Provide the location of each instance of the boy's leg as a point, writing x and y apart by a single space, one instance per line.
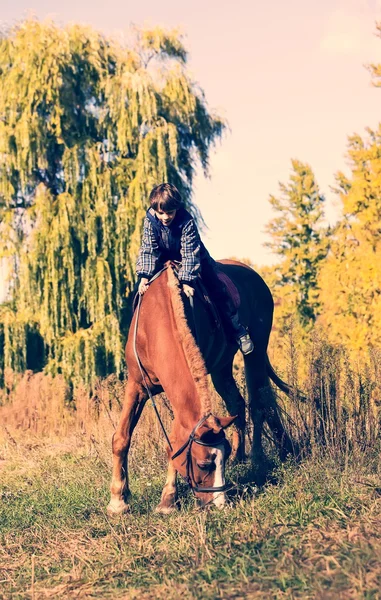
221 297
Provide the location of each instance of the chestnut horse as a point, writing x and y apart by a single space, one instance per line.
162 354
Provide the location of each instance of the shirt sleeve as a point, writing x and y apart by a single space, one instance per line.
190 253
149 252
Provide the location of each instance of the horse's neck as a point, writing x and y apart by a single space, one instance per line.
187 416
181 390
179 365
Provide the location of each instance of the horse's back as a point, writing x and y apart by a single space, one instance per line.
255 295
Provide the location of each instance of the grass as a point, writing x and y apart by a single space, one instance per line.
315 534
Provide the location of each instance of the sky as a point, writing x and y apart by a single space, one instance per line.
289 77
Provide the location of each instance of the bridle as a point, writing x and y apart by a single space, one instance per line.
189 478
220 441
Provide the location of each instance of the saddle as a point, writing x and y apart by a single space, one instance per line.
231 288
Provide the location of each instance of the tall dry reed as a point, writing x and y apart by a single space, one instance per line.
339 411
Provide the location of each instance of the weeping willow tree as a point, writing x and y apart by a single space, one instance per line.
88 125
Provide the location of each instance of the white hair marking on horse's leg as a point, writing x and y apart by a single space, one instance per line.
219 498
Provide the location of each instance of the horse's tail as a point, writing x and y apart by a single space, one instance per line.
282 385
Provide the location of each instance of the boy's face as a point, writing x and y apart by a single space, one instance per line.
165 217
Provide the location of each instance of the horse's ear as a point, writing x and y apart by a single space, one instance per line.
226 421
214 425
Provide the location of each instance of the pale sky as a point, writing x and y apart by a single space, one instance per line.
288 76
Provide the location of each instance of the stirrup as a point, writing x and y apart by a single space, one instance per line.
245 344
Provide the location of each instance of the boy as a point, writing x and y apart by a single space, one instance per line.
170 233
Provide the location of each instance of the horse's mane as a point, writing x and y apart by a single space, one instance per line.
192 352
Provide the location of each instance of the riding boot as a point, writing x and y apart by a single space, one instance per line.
241 334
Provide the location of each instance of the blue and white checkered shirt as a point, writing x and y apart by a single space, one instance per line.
178 242
149 252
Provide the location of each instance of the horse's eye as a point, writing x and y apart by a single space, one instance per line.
206 466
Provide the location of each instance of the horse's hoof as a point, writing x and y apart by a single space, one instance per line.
117 507
165 510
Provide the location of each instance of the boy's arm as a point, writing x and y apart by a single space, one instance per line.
149 252
190 253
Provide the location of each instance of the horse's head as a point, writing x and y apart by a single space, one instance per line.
201 459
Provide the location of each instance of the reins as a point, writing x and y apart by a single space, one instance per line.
192 439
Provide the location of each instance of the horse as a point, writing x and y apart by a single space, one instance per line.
162 354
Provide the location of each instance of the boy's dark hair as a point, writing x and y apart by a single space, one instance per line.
165 197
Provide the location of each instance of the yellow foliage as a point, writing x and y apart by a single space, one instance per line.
350 282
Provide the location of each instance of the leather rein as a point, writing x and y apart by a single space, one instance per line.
221 440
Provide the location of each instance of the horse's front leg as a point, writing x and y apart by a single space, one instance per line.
169 493
133 405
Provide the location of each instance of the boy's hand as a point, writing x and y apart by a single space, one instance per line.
143 285
188 290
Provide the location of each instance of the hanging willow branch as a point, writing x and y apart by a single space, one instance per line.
87 128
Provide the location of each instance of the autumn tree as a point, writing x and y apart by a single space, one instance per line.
300 241
351 277
87 127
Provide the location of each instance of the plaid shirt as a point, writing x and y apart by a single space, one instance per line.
156 248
